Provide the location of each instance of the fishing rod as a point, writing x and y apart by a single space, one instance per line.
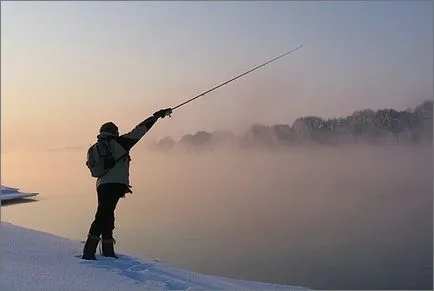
234 78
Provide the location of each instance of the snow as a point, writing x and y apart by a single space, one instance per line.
34 260
9 193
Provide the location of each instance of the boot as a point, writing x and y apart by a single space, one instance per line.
90 247
108 248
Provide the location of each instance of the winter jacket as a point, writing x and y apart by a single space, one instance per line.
120 146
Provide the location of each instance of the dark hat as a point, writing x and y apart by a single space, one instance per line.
109 127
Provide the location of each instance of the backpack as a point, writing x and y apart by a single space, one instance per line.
100 158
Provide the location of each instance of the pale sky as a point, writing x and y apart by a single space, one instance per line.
67 67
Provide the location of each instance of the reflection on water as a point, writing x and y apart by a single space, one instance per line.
17 201
329 219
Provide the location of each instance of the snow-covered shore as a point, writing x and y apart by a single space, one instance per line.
9 193
33 260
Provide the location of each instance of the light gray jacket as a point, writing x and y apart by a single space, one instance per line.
121 146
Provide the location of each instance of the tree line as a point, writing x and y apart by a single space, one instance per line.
384 126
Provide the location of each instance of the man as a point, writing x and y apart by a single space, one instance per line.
114 184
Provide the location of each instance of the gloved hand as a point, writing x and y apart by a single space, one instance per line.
163 113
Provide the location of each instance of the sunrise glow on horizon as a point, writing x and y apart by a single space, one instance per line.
69 66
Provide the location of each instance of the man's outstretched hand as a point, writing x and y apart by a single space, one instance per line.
163 113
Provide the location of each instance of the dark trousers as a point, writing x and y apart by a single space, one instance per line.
104 222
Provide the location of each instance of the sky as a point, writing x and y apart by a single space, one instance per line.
67 67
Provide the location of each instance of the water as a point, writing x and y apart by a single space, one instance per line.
347 218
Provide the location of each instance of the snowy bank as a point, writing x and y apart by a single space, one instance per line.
10 193
33 260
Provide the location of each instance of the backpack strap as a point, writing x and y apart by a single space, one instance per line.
116 161
106 144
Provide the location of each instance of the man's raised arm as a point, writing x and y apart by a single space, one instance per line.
128 140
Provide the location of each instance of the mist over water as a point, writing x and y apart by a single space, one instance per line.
330 218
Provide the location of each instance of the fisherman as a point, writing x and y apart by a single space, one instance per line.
109 160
